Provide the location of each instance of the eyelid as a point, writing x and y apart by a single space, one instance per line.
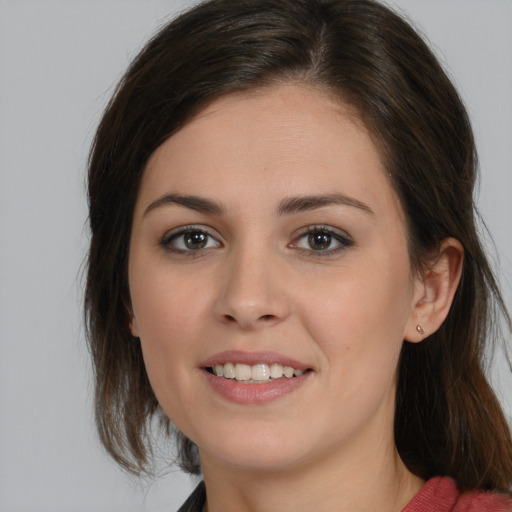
166 239
342 237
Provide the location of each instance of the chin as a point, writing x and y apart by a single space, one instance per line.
256 460
256 450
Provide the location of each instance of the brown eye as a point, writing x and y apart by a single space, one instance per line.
322 241
195 240
187 240
319 241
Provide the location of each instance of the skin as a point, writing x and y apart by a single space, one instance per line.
259 285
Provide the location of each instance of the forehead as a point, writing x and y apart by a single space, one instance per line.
281 140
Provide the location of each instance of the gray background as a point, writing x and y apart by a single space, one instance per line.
58 63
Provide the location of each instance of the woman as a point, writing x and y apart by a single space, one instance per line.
284 264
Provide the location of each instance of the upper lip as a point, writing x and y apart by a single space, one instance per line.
252 358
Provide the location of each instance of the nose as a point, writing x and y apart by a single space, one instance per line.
252 294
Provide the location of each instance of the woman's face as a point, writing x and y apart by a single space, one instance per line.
266 236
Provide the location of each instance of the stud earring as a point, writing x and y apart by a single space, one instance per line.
420 329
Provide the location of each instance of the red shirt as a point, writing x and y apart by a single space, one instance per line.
440 494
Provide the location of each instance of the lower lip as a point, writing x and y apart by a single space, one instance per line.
243 393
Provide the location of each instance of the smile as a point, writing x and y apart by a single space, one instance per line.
255 377
254 374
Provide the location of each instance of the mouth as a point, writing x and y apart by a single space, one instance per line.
259 373
255 377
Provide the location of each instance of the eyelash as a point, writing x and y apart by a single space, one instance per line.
182 231
342 239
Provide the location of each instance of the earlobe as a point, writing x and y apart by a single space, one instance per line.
434 291
133 326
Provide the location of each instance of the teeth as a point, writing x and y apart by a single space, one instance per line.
256 373
229 371
260 372
276 371
243 372
288 371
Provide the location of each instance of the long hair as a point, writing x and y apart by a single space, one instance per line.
448 420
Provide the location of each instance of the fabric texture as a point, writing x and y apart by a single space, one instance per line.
439 494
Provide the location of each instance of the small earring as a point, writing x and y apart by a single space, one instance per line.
420 329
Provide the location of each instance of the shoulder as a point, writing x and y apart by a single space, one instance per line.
442 495
483 501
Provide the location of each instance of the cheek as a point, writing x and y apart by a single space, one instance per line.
359 315
166 303
169 316
358 328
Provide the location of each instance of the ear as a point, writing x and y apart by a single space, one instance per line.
434 291
134 328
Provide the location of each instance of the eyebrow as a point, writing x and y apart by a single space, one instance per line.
287 206
306 203
196 203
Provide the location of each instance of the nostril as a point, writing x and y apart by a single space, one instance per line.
264 318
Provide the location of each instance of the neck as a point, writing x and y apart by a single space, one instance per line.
377 482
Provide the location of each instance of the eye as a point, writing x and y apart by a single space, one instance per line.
322 240
189 239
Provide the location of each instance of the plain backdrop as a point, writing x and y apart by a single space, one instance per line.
59 60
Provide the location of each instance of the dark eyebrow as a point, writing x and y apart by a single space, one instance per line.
199 204
288 206
306 203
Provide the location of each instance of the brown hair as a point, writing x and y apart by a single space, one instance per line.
448 420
